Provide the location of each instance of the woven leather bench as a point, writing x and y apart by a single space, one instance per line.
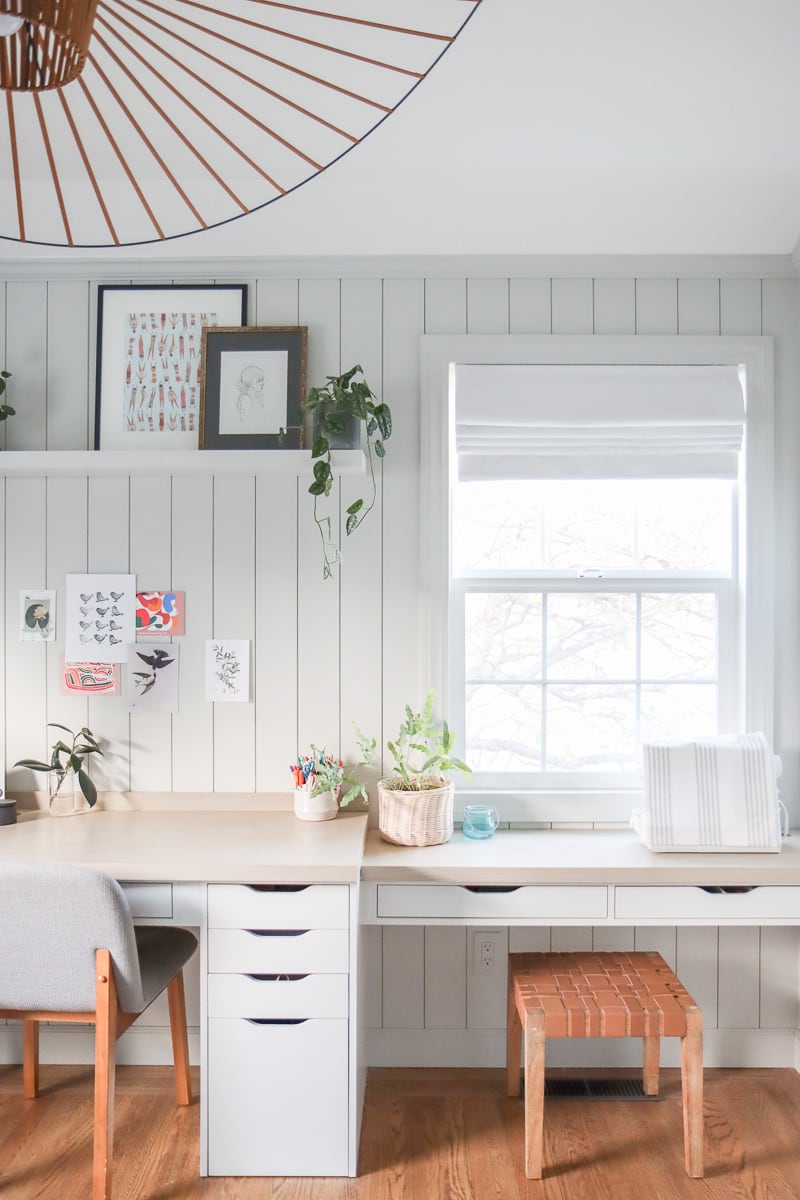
601 995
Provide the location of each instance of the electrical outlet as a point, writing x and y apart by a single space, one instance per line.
485 952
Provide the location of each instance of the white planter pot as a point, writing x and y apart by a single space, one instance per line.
322 807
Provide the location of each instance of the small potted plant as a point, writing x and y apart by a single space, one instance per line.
341 409
415 804
66 769
318 781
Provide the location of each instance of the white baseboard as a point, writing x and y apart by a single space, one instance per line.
146 1045
460 1048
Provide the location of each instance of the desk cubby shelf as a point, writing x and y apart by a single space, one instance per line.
172 462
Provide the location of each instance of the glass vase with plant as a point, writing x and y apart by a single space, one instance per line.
67 766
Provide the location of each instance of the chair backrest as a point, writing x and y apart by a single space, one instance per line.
52 919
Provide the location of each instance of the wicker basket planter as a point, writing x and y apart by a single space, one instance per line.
411 818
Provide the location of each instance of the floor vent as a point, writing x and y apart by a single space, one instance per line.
597 1089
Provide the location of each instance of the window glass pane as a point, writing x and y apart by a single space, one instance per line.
503 727
591 727
679 636
678 710
685 524
589 523
591 635
503 635
565 525
497 525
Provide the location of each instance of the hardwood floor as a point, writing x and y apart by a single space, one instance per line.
427 1135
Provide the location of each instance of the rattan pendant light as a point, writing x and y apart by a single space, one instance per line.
134 121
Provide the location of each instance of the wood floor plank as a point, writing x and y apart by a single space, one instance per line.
427 1135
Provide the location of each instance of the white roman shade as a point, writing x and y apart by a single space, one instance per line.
532 422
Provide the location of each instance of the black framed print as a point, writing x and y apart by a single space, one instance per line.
253 387
149 350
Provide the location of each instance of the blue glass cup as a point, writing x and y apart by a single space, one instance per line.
480 821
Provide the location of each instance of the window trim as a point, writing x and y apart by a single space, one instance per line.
439 354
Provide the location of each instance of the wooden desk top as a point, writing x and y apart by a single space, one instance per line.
520 856
212 847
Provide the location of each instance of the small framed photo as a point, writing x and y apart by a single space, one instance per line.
253 387
149 361
37 615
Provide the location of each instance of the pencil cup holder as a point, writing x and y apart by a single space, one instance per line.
322 807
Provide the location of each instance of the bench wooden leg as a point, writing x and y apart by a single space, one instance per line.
513 1043
692 1090
104 1072
30 1058
651 1051
534 1093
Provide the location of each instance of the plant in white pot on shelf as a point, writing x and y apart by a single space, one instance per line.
415 804
318 781
66 769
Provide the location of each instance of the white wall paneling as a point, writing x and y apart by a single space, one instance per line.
325 654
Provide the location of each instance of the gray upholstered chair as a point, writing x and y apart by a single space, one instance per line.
69 952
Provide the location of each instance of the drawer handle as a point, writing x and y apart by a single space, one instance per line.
277 887
275 978
276 932
728 891
276 1020
485 889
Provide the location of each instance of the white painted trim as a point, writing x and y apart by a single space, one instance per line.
131 264
114 463
141 1045
459 1048
439 353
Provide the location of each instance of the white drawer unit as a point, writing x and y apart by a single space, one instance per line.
539 902
278 1009
149 900
284 952
286 996
278 906
278 1097
687 904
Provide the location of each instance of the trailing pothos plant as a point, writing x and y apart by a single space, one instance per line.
6 410
65 758
344 399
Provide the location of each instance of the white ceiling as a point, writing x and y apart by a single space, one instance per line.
563 127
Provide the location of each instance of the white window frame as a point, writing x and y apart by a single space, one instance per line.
439 355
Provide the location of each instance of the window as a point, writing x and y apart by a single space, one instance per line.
600 556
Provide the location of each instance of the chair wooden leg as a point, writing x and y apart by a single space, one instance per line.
104 1063
513 1042
651 1054
692 1089
534 1093
180 1040
30 1058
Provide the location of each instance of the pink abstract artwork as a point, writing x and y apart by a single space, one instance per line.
159 614
90 678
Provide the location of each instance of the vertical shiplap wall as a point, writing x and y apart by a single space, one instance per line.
327 654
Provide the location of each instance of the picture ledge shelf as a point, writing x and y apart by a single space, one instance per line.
173 462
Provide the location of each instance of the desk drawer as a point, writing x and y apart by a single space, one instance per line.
149 899
779 903
537 902
317 906
293 997
243 951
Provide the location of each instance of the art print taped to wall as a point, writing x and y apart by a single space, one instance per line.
37 615
159 614
227 670
90 678
152 678
99 617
